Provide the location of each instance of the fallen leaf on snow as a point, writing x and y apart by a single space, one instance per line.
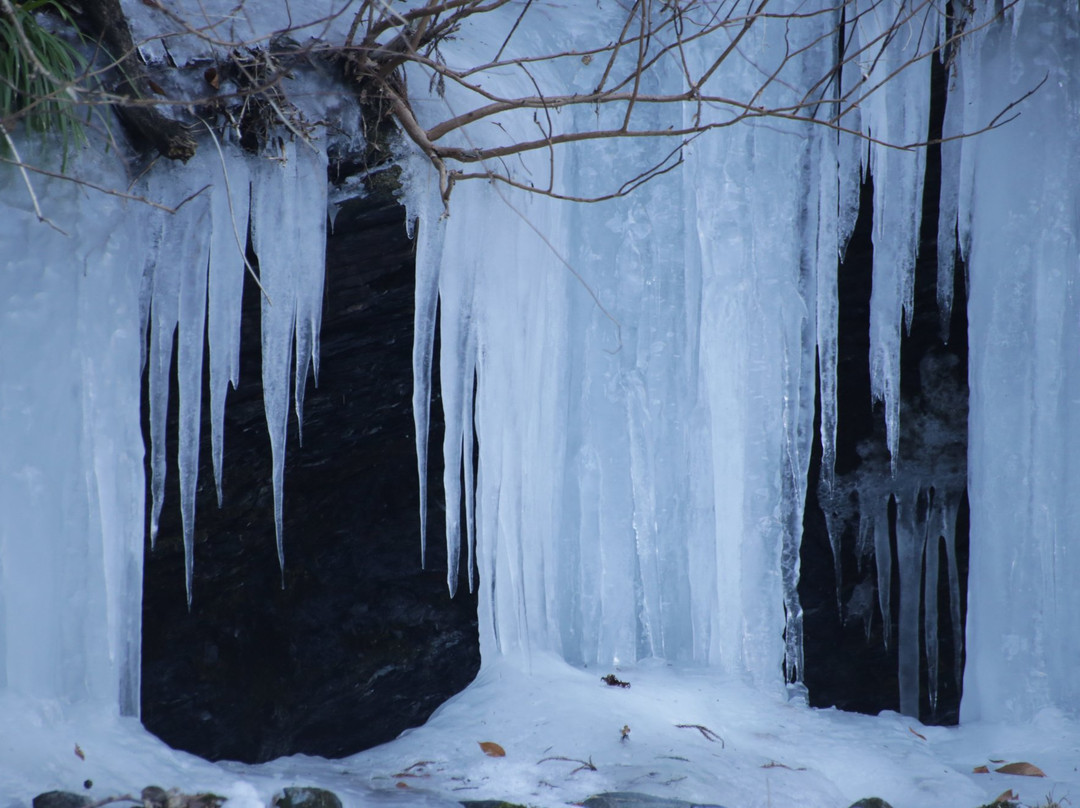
916 734
79 752
980 770
492 749
1024 768
1007 796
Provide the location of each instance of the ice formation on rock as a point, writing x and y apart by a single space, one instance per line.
636 377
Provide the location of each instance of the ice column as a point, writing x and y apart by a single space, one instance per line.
71 475
1024 312
644 369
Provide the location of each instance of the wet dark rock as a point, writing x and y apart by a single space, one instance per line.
633 799
61 799
306 797
361 642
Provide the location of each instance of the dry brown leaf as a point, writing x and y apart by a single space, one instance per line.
1007 796
79 752
492 749
916 734
213 78
402 785
1024 768
980 770
157 88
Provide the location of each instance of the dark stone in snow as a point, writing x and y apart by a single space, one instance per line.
870 802
306 797
361 643
633 799
61 799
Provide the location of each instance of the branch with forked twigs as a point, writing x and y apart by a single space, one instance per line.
388 45
383 43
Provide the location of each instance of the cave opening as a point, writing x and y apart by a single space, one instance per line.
357 643
851 648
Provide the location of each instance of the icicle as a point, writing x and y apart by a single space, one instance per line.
828 304
424 210
164 313
849 147
310 272
895 113
288 220
455 292
468 443
192 327
948 209
930 597
827 296
910 543
271 213
178 301
878 517
949 508
230 202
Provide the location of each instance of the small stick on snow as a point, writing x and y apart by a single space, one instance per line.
705 731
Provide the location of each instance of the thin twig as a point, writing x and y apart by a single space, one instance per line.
22 167
707 733
232 215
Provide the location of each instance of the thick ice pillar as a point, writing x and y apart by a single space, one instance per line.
71 473
1024 315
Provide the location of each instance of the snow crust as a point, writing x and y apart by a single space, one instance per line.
752 750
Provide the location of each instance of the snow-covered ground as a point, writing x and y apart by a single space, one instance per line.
738 747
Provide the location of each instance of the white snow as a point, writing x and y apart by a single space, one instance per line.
644 379
754 749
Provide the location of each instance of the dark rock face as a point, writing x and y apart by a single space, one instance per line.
360 643
306 797
847 663
61 799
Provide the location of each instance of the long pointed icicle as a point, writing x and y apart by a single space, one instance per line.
288 215
424 214
948 210
192 328
310 272
229 208
454 344
164 314
468 440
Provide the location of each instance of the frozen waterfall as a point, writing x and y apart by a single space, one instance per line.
628 385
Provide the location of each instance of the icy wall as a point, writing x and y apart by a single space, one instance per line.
1020 225
71 517
77 308
657 359
637 374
